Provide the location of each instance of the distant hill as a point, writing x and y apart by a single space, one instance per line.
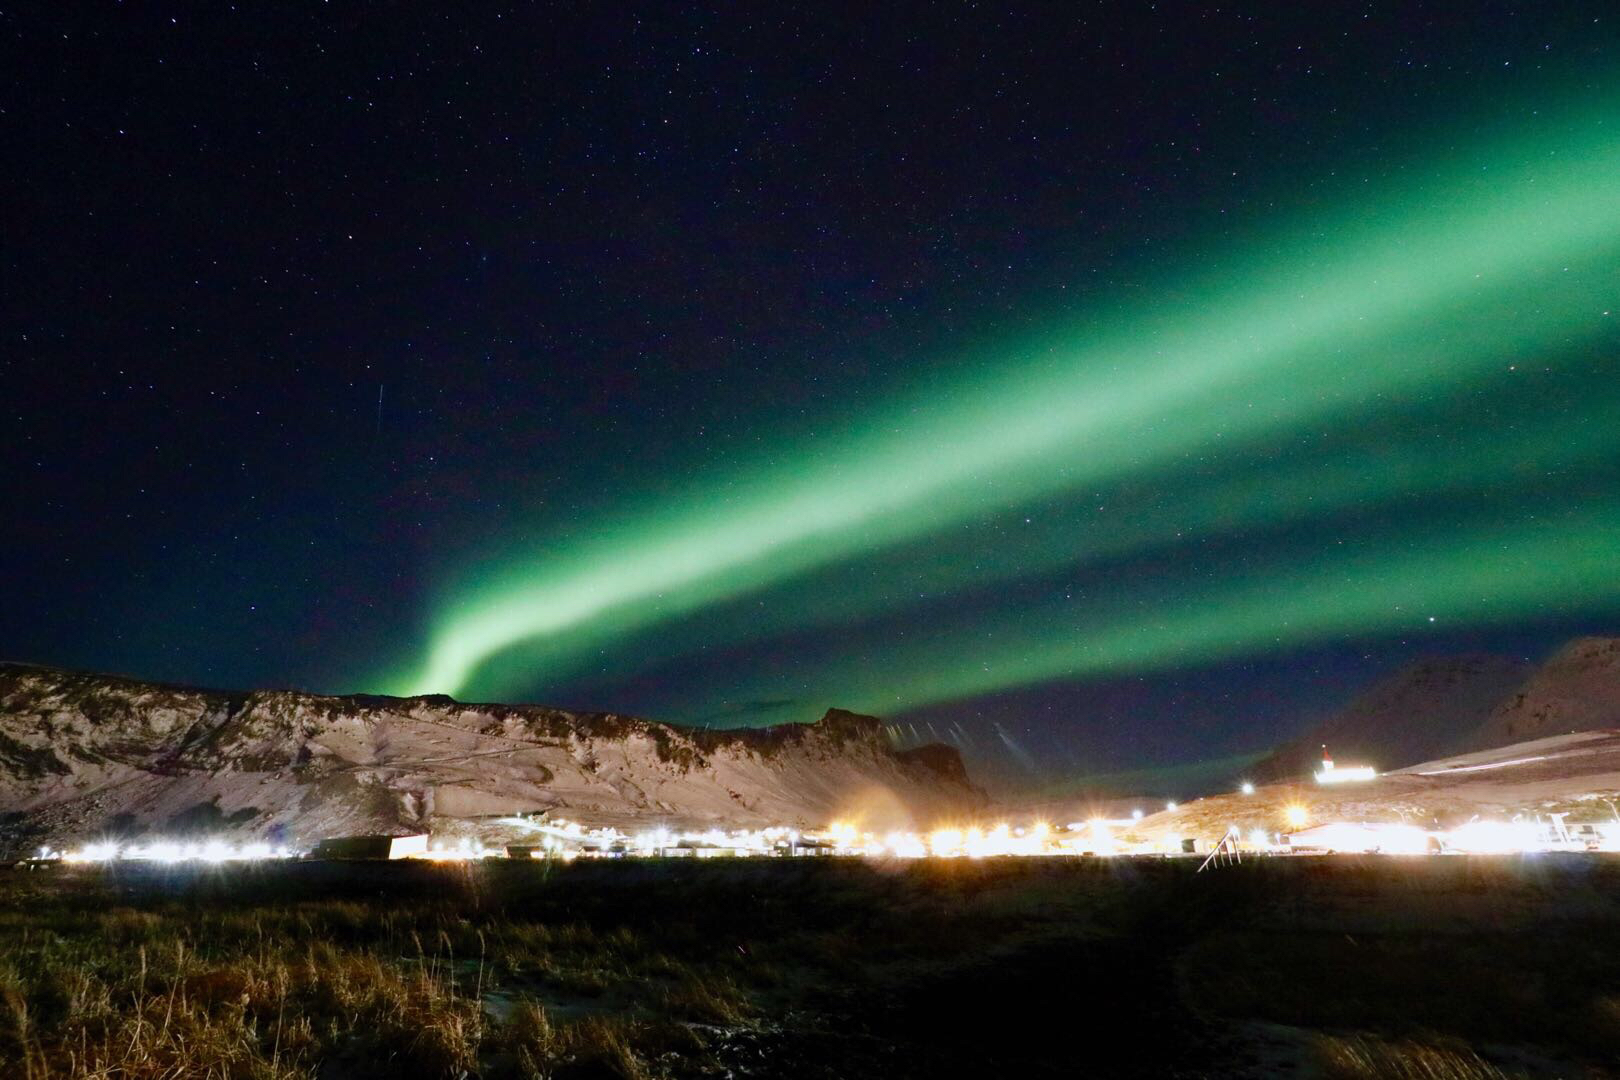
1578 689
81 753
1181 780
1577 775
1426 710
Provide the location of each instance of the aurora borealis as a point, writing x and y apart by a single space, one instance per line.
1408 297
1077 379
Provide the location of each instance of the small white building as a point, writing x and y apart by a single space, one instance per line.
1349 774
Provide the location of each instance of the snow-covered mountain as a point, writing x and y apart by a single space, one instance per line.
1577 689
1425 710
81 753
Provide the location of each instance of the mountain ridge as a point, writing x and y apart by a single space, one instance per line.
1442 706
1576 689
81 751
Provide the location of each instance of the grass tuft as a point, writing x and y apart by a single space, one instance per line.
1361 1057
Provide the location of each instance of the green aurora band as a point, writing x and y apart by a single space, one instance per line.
1486 575
1339 323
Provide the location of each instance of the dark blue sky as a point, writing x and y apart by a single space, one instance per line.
305 310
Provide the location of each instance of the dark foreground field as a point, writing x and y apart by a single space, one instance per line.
1431 968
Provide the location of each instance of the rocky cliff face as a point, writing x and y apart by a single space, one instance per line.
1456 705
83 753
1578 689
1423 711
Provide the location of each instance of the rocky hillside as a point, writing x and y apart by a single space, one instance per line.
84 753
1578 689
1423 711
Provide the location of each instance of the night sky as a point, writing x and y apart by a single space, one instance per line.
1093 386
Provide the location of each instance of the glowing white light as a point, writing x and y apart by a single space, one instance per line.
169 851
1380 838
1496 837
567 840
1102 840
1353 774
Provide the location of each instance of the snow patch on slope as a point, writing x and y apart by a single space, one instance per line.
85 752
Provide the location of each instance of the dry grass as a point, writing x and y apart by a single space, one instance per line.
276 991
1359 1057
817 968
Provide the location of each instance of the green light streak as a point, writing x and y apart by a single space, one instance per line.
1426 293
1562 564
1249 501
